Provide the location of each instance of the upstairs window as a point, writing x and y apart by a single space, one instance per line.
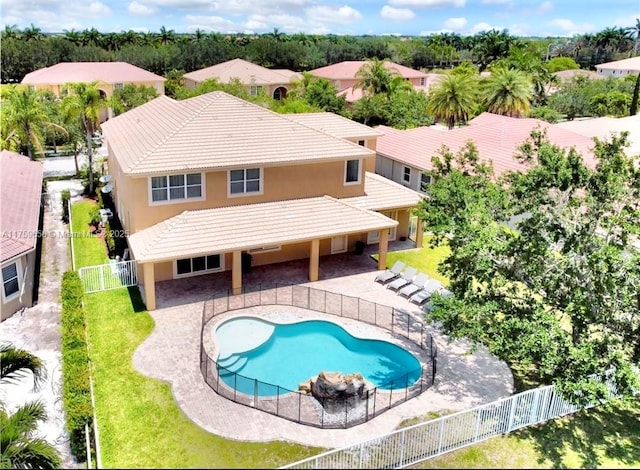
255 90
406 174
352 172
176 187
425 181
245 182
10 282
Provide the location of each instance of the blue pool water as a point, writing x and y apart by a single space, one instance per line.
287 354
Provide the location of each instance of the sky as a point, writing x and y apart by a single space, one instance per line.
351 17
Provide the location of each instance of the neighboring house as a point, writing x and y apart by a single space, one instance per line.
604 127
566 75
108 75
21 193
344 76
274 82
200 183
404 155
620 68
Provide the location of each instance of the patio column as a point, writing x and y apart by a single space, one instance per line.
383 245
314 260
236 273
149 285
419 233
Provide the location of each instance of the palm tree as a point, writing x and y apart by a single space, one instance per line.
18 447
25 116
508 92
635 31
83 104
453 99
374 77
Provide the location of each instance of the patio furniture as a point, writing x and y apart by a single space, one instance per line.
425 294
391 274
417 285
405 278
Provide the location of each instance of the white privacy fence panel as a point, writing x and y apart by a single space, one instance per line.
420 442
109 276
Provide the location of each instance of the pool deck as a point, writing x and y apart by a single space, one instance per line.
171 353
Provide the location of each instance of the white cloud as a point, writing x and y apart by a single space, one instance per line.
140 9
484 27
341 15
211 23
569 28
545 7
455 24
521 29
99 8
428 3
396 14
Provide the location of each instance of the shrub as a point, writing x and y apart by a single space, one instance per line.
75 364
94 216
108 237
545 113
65 197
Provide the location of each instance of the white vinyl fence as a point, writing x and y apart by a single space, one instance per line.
109 276
422 441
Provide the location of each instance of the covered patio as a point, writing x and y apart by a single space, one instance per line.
295 227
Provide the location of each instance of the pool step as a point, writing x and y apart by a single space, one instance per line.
232 363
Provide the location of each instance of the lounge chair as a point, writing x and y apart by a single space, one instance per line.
427 291
390 274
405 278
417 285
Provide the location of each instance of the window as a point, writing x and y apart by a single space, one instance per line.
118 86
352 172
425 180
423 81
10 280
198 265
255 90
265 249
176 187
406 174
362 143
247 181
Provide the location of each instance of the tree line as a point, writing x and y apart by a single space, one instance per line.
29 49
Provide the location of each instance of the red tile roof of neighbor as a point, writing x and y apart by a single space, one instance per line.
348 69
20 193
496 137
107 72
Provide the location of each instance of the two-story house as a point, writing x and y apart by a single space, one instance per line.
200 182
109 76
21 191
274 82
404 156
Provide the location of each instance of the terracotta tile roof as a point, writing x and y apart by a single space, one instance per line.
382 194
569 74
335 125
632 63
197 233
604 127
20 193
497 139
348 69
247 72
215 130
107 72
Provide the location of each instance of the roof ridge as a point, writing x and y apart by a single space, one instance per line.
169 224
361 209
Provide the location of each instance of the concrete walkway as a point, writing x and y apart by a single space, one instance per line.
171 353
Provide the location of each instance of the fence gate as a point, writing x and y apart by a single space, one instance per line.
109 276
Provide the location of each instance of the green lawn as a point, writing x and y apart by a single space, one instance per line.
89 249
596 438
424 259
140 424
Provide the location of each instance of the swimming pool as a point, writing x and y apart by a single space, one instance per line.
285 355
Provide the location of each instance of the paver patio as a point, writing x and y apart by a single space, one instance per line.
171 353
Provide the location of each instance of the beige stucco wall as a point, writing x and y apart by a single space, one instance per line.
26 267
280 183
107 88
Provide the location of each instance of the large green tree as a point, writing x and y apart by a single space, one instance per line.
83 104
507 91
544 264
18 446
453 100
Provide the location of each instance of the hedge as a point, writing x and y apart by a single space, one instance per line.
75 364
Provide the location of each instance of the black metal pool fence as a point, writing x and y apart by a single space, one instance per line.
304 408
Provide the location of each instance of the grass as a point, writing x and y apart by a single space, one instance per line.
595 438
425 259
89 249
140 424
